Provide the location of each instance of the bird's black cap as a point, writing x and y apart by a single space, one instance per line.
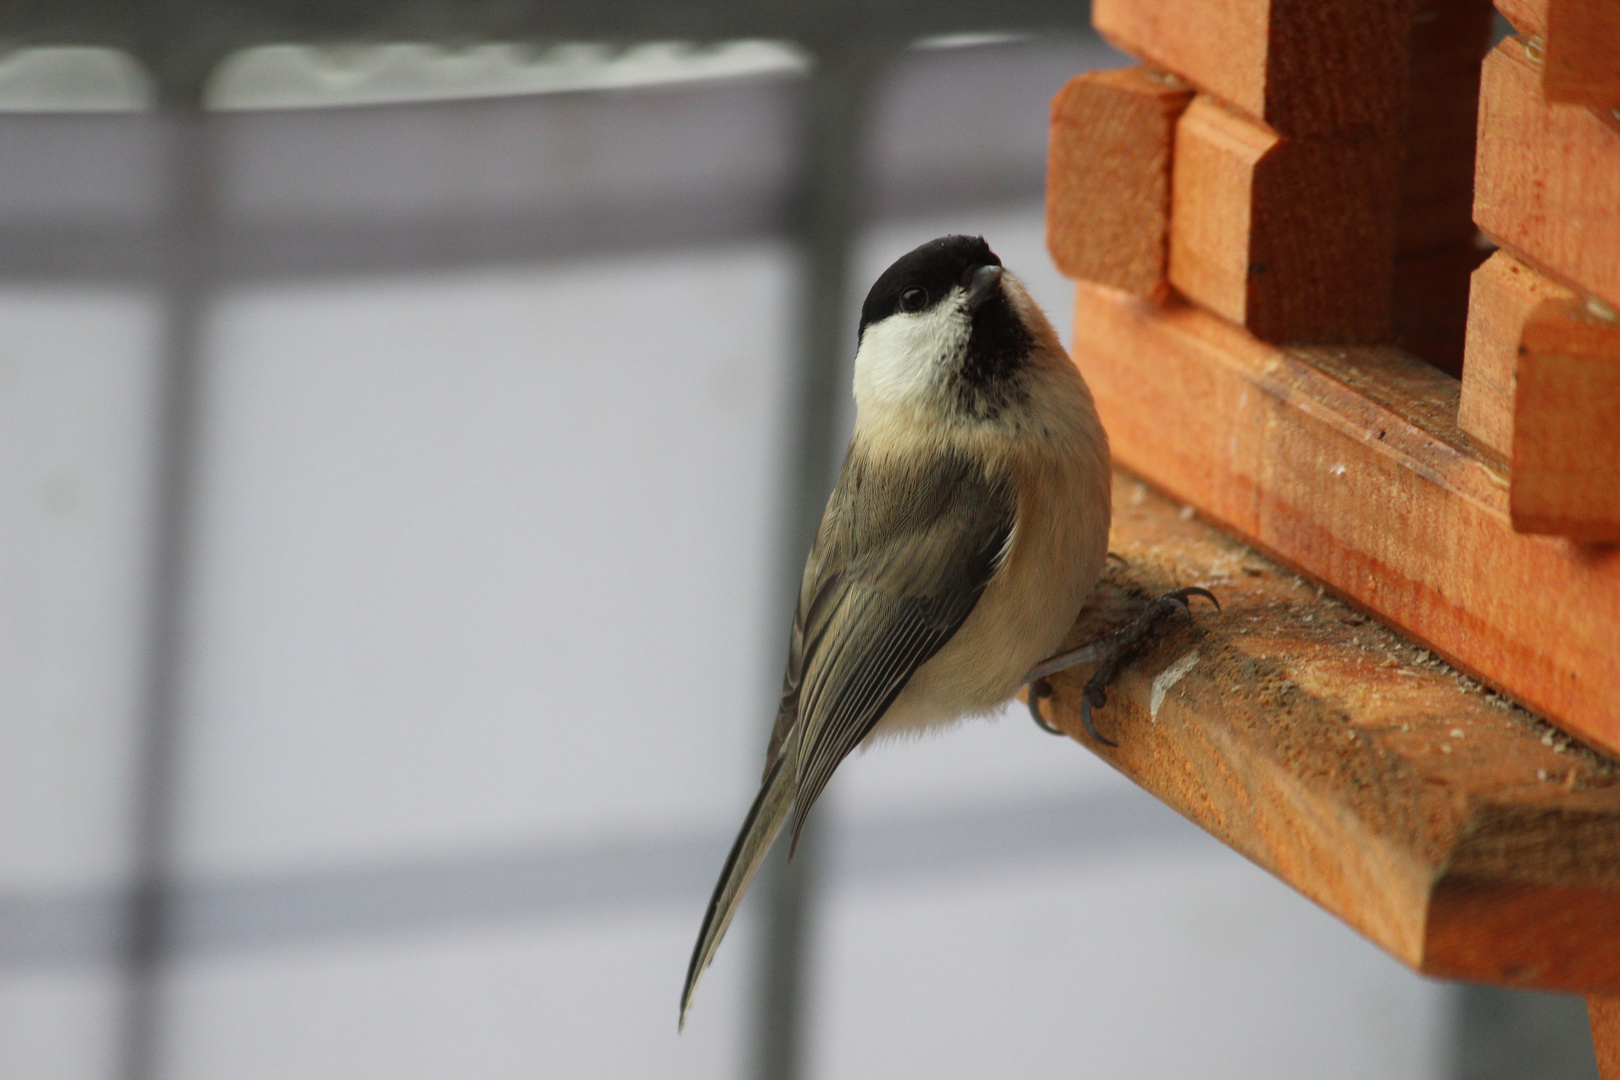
935 267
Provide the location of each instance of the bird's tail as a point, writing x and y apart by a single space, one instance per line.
765 819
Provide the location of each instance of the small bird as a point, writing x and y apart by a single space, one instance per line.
968 526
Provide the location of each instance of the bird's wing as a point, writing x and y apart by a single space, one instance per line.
893 575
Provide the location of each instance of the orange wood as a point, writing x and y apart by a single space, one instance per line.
1347 463
1504 293
1604 1012
1566 424
1548 177
1527 16
1292 238
1108 177
1467 838
1580 45
1304 67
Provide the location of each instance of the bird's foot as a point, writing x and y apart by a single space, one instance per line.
1115 651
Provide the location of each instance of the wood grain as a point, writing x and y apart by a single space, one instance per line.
1548 177
1580 42
1291 238
1503 294
1347 463
1108 177
1324 68
1566 424
1464 836
1604 1012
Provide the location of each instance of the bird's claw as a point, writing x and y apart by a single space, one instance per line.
1039 689
1118 648
1089 696
1181 596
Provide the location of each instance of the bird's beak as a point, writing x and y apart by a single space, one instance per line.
983 285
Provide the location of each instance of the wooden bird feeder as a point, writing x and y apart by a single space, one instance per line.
1351 293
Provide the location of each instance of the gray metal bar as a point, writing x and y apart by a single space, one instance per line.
1501 1034
183 287
181 40
828 219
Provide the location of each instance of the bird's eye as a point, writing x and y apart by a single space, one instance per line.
913 299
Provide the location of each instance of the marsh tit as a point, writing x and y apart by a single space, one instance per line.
968 526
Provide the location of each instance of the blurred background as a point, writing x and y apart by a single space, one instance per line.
407 450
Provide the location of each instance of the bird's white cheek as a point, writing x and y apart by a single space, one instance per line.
901 358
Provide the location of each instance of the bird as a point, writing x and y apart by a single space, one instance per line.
967 528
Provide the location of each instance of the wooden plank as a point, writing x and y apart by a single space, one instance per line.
1326 68
1604 1012
1541 387
1548 183
1464 836
1108 177
1580 46
1504 292
1347 463
1566 424
1292 238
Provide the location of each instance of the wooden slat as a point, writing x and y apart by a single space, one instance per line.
1542 388
1566 424
1303 67
1580 42
1464 836
1503 294
1548 183
1605 1015
1292 238
1347 462
1108 177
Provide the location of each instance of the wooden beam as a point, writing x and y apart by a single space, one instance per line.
1464 836
1108 177
1604 1012
1548 177
1292 238
1566 424
1580 45
1305 68
1347 463
1542 388
1503 294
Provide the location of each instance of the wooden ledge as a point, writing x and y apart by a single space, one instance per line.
1347 462
1457 831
